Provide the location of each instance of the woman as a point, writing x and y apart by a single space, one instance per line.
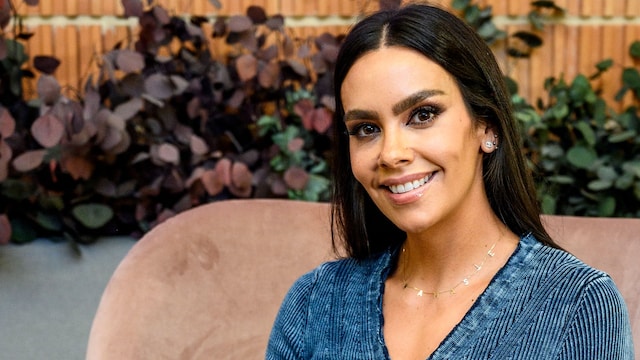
447 257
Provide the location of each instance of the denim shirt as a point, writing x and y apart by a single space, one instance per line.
543 304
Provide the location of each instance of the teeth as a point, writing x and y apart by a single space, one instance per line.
403 188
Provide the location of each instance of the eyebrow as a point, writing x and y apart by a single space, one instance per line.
397 109
414 99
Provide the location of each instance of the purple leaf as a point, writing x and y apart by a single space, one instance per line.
257 14
247 67
29 160
133 8
46 64
275 22
48 89
158 86
240 23
47 130
129 61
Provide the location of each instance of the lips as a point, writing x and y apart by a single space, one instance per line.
411 185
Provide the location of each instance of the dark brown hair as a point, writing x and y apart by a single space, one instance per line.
452 44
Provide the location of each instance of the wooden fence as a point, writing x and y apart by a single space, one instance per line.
76 31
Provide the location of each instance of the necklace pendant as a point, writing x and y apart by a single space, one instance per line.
452 291
436 295
465 281
420 293
491 253
478 267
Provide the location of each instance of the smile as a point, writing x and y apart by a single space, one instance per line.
411 185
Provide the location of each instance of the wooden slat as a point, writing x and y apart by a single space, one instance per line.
70 7
287 7
612 47
633 8
572 7
540 66
84 7
559 46
569 48
589 49
96 8
591 8
632 34
90 45
59 50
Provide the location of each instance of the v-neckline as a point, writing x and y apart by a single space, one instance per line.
484 309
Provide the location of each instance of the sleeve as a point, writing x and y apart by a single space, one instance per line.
286 341
601 327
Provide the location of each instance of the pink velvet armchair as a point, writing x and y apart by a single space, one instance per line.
208 282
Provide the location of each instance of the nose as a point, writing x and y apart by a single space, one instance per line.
395 150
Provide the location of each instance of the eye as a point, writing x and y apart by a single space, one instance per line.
424 115
363 130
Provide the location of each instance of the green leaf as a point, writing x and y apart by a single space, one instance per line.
512 85
625 181
604 65
632 167
634 49
560 111
607 173
15 53
600 112
536 20
623 136
17 189
92 215
278 163
581 156
268 123
282 139
548 204
607 206
549 4
21 231
631 78
460 4
587 132
49 222
552 151
316 187
561 179
599 185
532 40
488 30
471 15
580 88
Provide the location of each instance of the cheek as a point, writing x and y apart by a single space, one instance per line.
361 160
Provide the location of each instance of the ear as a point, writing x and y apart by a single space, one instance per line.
489 139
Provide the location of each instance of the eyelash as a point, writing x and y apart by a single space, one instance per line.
433 111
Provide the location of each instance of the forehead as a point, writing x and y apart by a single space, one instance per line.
393 73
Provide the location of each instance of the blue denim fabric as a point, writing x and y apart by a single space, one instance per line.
543 304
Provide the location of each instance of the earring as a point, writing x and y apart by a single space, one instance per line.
489 144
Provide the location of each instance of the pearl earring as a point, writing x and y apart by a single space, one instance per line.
489 144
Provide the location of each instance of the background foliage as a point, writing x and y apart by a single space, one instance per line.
168 125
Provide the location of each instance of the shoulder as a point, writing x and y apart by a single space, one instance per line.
589 294
338 273
556 266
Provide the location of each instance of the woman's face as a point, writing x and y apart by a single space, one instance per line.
413 144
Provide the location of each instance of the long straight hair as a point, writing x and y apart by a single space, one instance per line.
443 38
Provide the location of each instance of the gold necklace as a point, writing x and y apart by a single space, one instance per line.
451 291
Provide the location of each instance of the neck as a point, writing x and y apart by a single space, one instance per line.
443 261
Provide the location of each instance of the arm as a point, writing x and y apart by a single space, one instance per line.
287 335
601 327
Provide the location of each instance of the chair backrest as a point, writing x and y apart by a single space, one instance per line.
208 282
608 244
